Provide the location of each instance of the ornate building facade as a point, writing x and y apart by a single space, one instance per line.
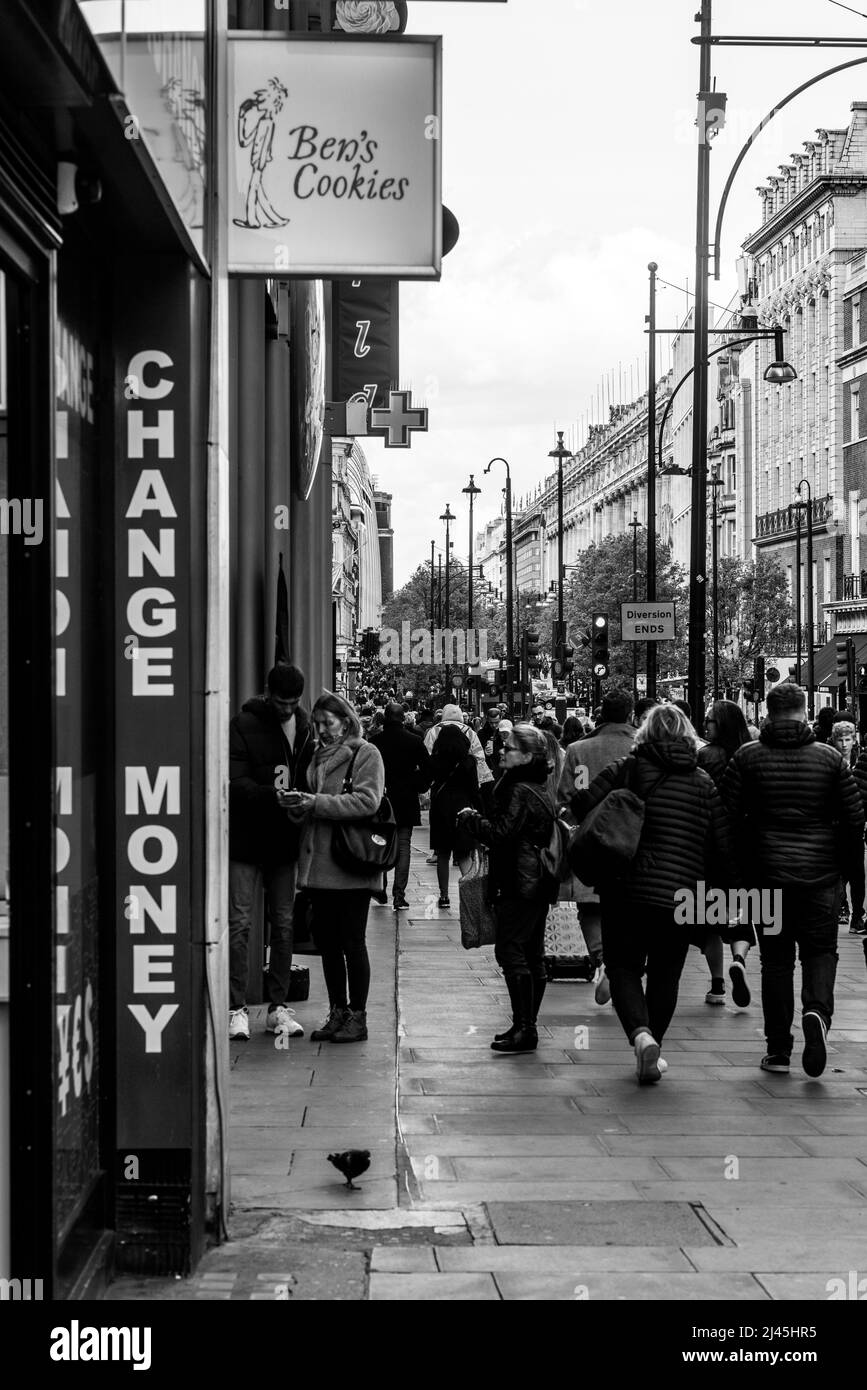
356 584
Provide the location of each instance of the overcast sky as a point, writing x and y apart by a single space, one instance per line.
569 159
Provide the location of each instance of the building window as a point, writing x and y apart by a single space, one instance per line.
854 397
856 320
826 591
855 539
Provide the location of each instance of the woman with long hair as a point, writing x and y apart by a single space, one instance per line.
339 900
685 844
727 731
455 784
515 829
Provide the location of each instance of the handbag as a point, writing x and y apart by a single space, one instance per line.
299 984
603 846
365 846
478 922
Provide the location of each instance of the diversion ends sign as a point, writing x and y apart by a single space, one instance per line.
647 622
334 156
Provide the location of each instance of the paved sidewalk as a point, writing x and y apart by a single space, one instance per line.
545 1176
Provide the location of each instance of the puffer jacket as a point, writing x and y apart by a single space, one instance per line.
859 772
714 759
796 808
259 832
518 824
686 837
585 759
317 867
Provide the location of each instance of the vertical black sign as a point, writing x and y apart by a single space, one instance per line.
366 340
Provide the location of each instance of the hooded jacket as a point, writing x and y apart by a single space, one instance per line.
796 808
686 837
259 832
317 867
407 770
517 827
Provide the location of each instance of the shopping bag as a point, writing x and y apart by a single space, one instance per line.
565 949
478 923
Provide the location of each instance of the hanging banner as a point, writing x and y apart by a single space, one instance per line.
334 156
308 393
365 335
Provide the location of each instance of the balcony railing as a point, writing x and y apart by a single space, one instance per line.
783 520
854 587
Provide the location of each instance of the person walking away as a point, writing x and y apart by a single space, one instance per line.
450 716
339 899
685 845
727 731
515 829
585 759
842 737
270 746
407 766
799 823
454 785
492 740
857 926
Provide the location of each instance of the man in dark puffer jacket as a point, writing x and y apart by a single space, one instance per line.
270 746
798 816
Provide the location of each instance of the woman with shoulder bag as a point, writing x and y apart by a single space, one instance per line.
454 785
339 897
515 829
685 843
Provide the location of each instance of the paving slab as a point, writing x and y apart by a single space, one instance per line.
426 1288
575 1260
394 1259
781 1254
617 1287
591 1222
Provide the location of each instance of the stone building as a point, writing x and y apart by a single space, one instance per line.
356 584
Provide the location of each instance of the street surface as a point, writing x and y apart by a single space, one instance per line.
550 1175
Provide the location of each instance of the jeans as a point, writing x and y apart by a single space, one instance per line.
590 917
401 868
280 893
809 921
339 928
639 939
520 936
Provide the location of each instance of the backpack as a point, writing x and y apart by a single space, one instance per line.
602 848
553 856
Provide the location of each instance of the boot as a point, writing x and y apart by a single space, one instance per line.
524 1036
333 1023
540 983
354 1027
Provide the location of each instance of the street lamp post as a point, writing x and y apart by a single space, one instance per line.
798 591
635 523
432 591
811 639
560 453
715 482
448 519
510 634
471 491
650 568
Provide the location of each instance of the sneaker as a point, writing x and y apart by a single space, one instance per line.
400 903
380 897
353 1029
283 1020
646 1058
443 902
603 986
715 996
776 1061
663 1066
239 1026
332 1024
740 989
815 1055
858 927
431 859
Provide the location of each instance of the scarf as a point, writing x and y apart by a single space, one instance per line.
325 756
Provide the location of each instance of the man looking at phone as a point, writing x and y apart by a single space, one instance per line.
270 746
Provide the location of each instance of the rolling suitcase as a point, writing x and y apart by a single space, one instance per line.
566 955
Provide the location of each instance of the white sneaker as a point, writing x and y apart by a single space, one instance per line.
646 1058
713 998
283 1020
239 1026
603 986
663 1065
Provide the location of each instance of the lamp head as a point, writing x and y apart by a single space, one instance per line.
780 372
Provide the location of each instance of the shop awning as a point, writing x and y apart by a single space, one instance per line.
825 661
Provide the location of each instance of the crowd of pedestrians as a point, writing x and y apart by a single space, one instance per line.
748 838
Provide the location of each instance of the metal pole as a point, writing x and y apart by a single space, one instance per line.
635 523
798 592
560 534
510 598
698 539
650 569
432 592
811 639
715 545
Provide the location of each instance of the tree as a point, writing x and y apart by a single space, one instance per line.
756 617
411 604
601 582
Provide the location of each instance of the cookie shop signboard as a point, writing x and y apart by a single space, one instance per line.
334 156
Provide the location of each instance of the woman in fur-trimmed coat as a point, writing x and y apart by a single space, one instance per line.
340 900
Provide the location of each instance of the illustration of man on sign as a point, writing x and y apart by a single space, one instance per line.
256 118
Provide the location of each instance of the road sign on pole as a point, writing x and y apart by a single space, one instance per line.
647 622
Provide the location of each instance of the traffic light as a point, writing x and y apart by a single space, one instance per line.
531 649
862 677
568 657
842 649
601 654
749 688
759 677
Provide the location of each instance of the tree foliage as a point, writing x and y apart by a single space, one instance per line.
412 604
755 613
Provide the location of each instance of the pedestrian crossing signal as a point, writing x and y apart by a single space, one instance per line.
862 677
601 654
